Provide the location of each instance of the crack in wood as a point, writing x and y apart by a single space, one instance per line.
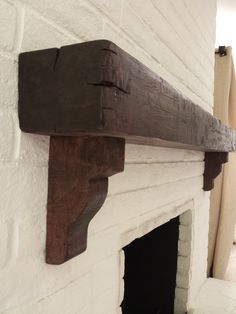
110 85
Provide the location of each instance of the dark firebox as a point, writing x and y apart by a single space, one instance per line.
150 271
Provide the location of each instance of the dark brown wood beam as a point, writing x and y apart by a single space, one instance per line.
91 98
79 168
96 88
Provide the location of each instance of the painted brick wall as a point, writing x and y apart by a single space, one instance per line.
176 40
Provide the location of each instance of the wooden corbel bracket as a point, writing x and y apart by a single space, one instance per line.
91 98
79 168
213 167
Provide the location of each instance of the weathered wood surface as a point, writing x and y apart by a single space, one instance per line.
95 88
77 187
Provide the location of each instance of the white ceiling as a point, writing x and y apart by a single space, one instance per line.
226 24
227 4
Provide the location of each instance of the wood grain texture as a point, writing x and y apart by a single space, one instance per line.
95 88
213 167
79 168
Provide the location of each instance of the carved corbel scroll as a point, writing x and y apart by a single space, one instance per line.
79 168
213 167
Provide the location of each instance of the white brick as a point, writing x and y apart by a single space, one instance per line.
34 148
8 83
195 9
103 244
129 205
28 185
185 233
184 248
4 242
64 300
115 34
182 294
52 37
182 281
148 154
184 30
78 17
155 218
87 310
105 275
8 138
189 21
186 218
107 303
32 230
137 30
111 9
160 24
152 175
8 242
183 265
8 16
181 300
163 51
142 35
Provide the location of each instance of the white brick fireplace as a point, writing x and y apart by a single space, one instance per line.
137 206
154 220
176 40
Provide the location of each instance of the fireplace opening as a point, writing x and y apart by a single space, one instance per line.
150 271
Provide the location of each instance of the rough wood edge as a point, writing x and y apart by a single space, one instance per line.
213 167
79 168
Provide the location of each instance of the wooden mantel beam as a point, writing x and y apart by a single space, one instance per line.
91 98
95 88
